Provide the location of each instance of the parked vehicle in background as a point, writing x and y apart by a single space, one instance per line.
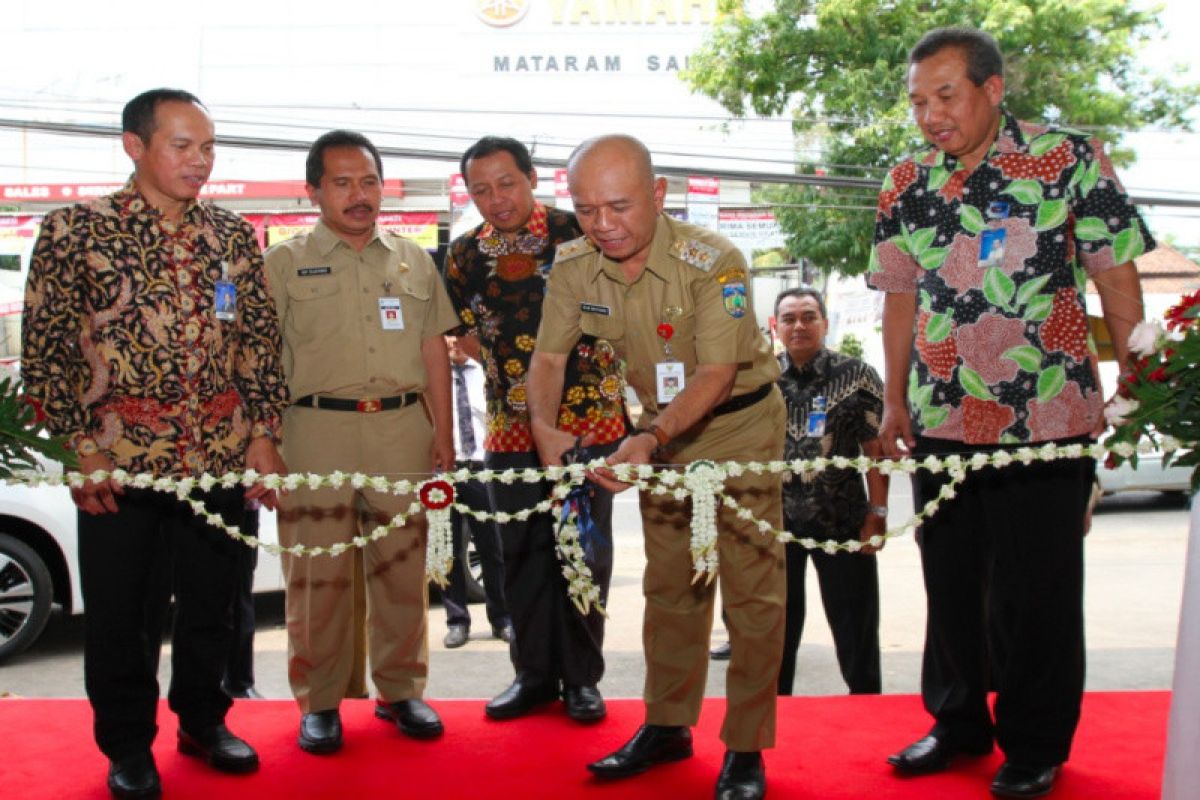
39 568
1149 476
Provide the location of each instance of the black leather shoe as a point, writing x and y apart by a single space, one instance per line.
456 636
721 652
1016 780
504 632
134 776
321 732
584 703
932 753
651 745
242 692
413 717
221 749
520 698
742 777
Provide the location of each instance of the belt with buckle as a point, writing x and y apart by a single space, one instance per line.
369 406
742 400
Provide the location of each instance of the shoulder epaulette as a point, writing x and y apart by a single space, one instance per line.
695 252
574 249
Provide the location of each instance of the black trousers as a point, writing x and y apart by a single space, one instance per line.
553 642
131 562
1003 566
491 561
850 594
239 664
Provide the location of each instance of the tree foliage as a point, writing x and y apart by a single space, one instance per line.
838 67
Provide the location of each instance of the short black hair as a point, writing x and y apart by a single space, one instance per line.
314 165
801 291
138 114
489 145
979 49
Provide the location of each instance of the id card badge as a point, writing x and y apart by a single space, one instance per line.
991 247
225 301
390 315
991 241
669 379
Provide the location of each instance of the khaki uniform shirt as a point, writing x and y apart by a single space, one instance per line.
328 294
695 281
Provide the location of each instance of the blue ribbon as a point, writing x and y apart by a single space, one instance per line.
580 499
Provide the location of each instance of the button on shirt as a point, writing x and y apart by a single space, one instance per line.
1002 352
328 295
121 344
833 501
690 272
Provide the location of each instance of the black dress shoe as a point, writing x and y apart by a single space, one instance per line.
584 703
321 732
742 777
932 753
241 692
651 745
413 717
134 776
1017 780
221 749
721 652
504 632
456 636
520 698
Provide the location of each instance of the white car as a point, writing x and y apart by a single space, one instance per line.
1149 476
39 567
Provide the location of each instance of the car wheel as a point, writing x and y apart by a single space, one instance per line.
470 557
26 594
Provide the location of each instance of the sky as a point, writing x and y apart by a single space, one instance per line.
431 76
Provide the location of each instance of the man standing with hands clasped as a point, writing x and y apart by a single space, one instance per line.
150 342
496 275
673 301
983 244
834 403
363 312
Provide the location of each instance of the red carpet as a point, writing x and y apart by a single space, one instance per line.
828 748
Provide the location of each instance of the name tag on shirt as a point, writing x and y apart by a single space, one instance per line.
390 315
594 308
225 301
669 379
305 272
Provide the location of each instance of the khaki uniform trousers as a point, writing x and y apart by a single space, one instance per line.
679 614
322 590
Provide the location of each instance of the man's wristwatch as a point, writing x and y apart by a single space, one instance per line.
879 511
658 433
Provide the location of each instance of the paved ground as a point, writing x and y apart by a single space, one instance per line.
1135 560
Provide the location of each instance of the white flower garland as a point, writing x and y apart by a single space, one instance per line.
702 481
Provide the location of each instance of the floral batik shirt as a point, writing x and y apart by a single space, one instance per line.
999 258
497 287
125 349
831 502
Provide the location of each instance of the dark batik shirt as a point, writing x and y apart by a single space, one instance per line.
122 346
832 502
1002 352
497 288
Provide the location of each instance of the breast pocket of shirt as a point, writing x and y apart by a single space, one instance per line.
314 308
601 326
414 304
